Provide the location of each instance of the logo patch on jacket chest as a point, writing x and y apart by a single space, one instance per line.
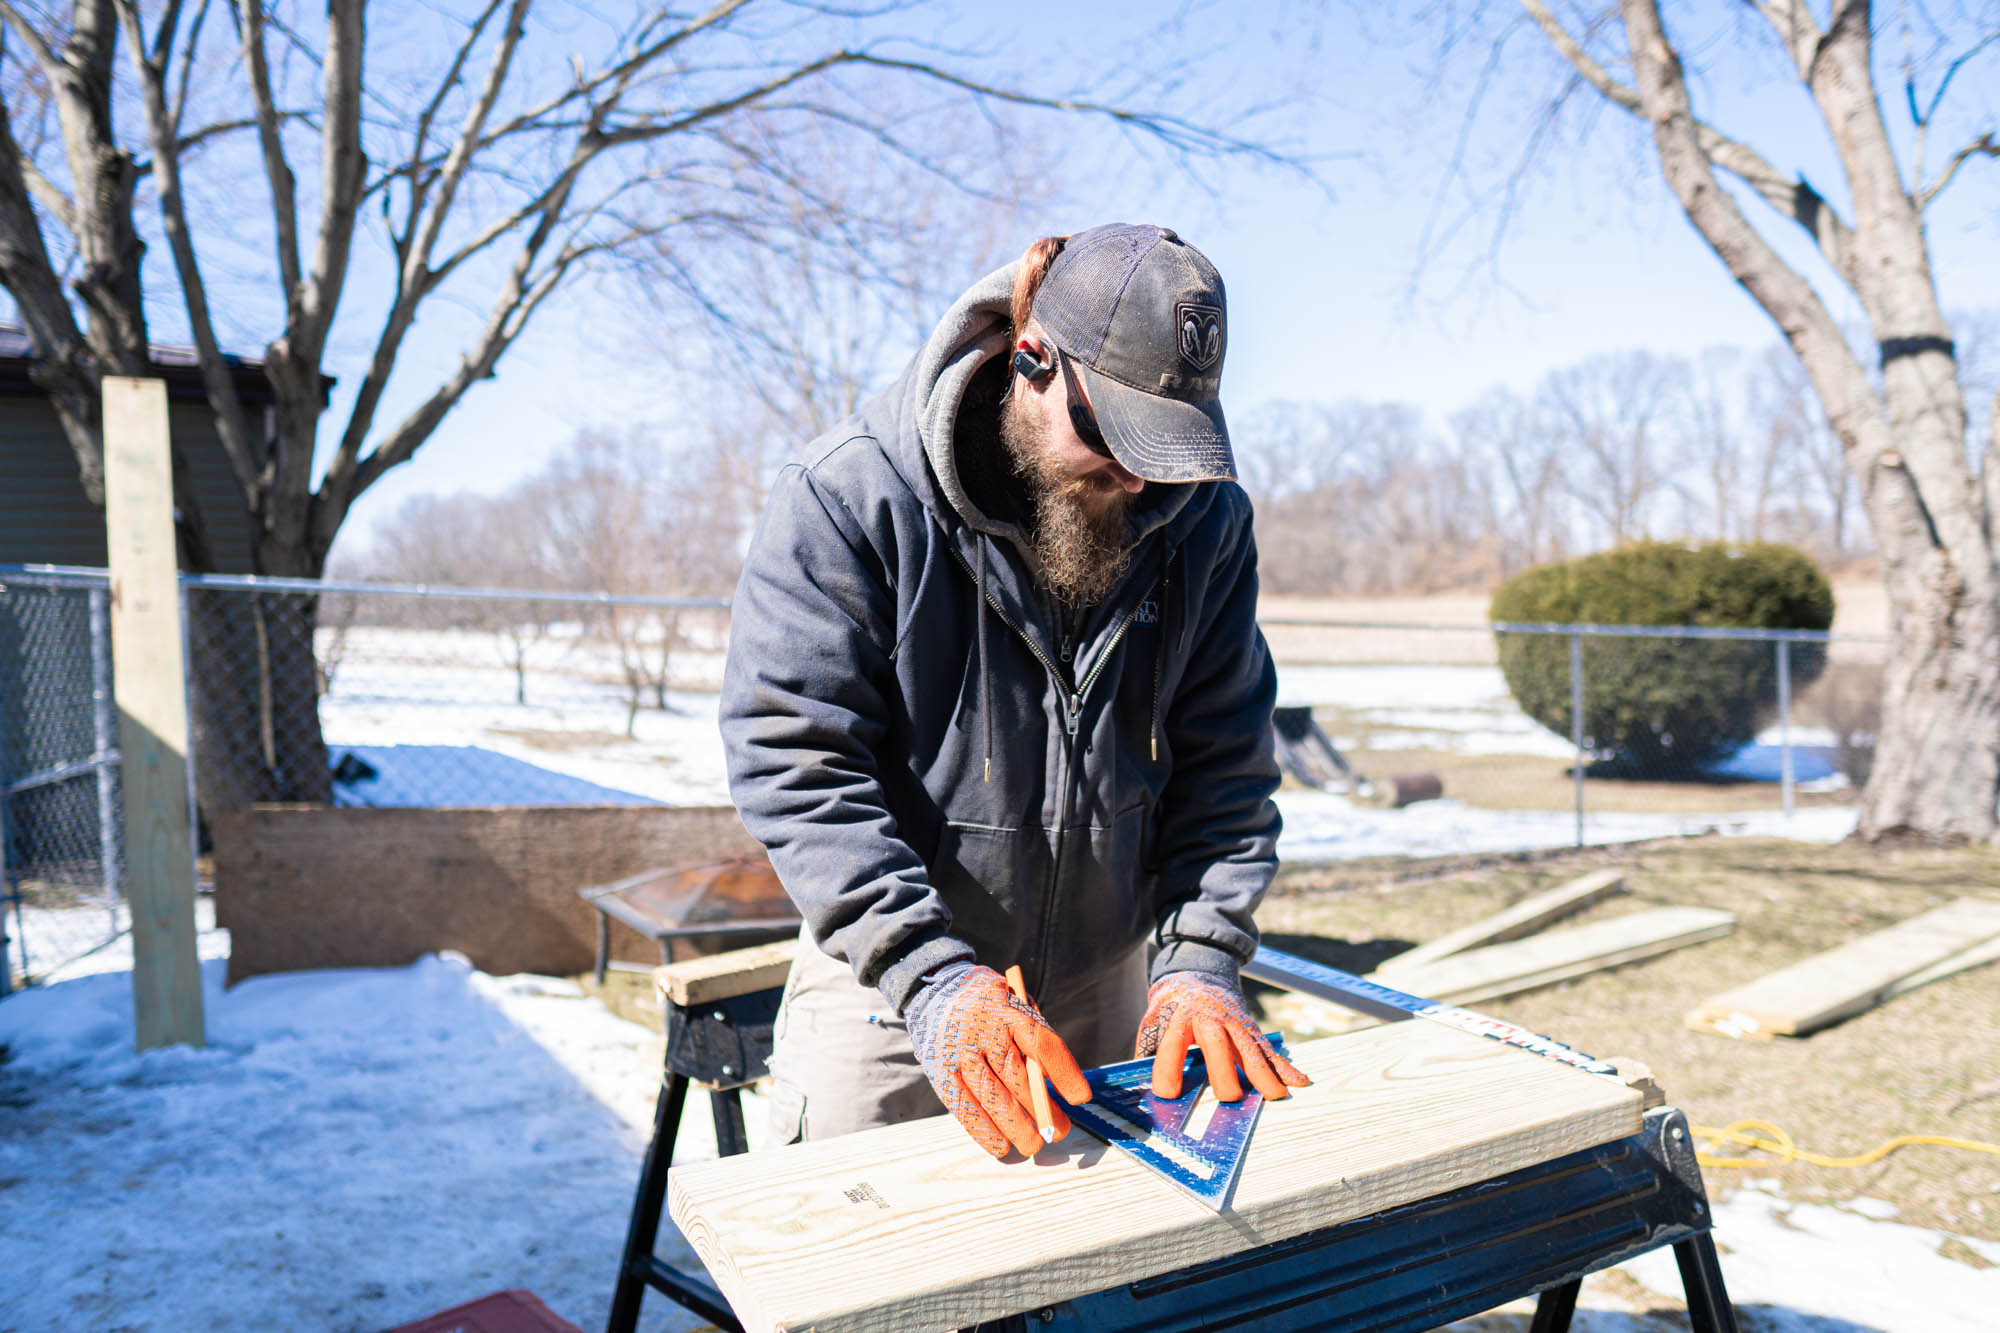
1148 614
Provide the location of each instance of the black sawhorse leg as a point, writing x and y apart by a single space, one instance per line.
637 1268
725 1044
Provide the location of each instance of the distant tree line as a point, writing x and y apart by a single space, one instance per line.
1373 498
1355 499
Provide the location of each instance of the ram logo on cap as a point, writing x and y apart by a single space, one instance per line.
1201 334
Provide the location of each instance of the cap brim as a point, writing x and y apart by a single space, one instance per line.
1160 438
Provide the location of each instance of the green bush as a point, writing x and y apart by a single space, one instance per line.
1657 706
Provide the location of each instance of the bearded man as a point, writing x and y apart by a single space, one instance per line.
996 695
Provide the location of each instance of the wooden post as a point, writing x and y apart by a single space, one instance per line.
151 689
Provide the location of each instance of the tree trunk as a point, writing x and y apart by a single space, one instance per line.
1937 765
255 694
1936 772
256 683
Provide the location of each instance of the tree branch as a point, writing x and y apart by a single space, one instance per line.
1791 196
277 172
1852 408
414 278
187 65
44 56
343 170
25 271
1796 28
517 304
1177 133
1985 145
232 426
1581 60
429 114
52 198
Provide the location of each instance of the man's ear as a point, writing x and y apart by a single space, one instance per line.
1032 361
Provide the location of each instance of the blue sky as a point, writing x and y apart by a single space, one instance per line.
1362 290
1331 297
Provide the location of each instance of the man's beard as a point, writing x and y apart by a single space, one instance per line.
1078 527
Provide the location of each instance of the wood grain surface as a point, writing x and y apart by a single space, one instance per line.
725 975
1523 918
1839 983
311 886
150 686
1557 955
913 1227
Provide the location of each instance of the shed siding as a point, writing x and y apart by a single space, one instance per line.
45 518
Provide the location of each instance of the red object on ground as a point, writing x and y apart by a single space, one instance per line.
502 1312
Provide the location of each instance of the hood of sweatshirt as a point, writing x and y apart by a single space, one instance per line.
933 392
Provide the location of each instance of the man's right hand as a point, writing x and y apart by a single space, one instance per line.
974 1039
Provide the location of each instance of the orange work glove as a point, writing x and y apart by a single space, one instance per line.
973 1039
1200 1008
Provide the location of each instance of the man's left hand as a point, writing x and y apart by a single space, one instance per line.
1202 1009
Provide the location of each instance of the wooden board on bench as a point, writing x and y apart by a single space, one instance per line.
912 1227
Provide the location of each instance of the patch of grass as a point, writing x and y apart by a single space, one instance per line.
1919 1064
1954 1248
630 995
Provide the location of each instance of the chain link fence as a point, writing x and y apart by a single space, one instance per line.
60 832
382 695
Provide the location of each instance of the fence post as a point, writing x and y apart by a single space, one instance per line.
149 683
103 720
1576 723
6 891
1785 722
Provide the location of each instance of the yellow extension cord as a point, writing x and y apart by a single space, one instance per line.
1763 1136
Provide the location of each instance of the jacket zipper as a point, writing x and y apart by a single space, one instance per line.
1072 713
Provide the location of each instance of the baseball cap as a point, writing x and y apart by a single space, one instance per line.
1142 315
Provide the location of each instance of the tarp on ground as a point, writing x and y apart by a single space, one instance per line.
431 777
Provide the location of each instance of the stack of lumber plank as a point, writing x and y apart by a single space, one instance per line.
1509 952
1815 992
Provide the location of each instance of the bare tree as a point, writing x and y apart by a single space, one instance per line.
467 540
1507 434
498 172
1361 498
1811 467
1618 418
1932 509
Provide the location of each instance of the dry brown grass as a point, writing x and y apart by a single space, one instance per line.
1531 782
1861 608
1928 1062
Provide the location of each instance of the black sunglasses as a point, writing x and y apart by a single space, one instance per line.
1080 418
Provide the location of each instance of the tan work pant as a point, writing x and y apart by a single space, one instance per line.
842 1060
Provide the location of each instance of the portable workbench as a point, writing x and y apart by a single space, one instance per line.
1439 1172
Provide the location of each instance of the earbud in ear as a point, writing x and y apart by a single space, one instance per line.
1031 367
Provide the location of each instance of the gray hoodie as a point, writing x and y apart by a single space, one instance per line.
944 767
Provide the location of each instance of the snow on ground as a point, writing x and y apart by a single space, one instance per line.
1839 1261
414 687
675 757
353 1150
1320 826
359 1148
65 942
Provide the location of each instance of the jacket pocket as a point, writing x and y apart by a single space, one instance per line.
1106 897
993 880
